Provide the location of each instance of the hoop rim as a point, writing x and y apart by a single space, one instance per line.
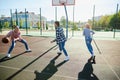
62 2
58 4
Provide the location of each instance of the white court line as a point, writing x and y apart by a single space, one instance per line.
34 71
107 62
110 67
14 68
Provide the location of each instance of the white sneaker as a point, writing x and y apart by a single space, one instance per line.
8 55
67 58
29 50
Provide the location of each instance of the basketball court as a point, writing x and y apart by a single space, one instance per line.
43 63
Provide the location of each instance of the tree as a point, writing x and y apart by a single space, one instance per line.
21 23
75 26
103 23
115 21
1 26
14 22
63 21
6 24
38 25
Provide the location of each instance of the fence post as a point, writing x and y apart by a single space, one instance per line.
40 23
16 17
26 21
116 22
73 21
66 21
11 18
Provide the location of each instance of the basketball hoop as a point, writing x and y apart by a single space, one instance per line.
62 2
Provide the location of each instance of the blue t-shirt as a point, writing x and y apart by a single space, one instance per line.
88 33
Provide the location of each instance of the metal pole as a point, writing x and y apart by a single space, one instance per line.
40 23
26 21
114 32
1 26
93 25
16 17
55 13
11 19
73 21
93 16
66 21
116 23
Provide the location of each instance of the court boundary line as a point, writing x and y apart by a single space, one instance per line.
100 53
110 67
24 67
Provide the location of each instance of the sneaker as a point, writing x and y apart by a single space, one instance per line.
67 58
29 50
94 60
91 58
59 53
8 55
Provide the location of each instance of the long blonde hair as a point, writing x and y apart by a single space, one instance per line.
87 25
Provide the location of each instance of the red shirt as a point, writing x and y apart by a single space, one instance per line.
13 35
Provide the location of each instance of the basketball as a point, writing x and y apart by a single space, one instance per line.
5 40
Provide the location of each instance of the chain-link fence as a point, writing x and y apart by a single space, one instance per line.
28 19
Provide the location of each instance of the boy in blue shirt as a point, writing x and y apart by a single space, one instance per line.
60 39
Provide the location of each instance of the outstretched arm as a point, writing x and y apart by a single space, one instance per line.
92 32
53 40
8 34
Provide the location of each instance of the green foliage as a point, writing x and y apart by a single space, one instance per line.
107 22
63 21
75 27
21 23
14 22
1 26
38 25
70 23
115 21
6 24
104 22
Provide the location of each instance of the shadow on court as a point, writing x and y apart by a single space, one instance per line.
12 76
49 70
87 72
6 58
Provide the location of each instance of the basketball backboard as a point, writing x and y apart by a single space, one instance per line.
62 2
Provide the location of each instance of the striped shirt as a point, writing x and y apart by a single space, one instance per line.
60 37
